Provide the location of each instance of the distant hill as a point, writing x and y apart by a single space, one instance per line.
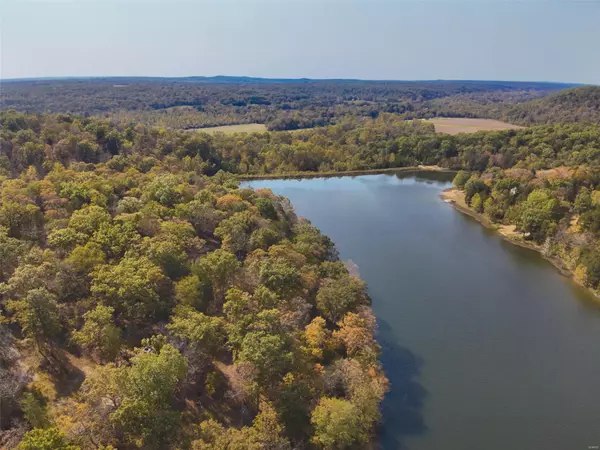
579 104
280 104
99 95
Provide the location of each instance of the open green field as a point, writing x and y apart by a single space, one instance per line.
456 125
229 129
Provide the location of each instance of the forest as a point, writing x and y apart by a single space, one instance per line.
148 301
161 308
184 103
387 141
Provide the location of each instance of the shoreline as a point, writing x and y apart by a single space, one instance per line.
345 173
455 198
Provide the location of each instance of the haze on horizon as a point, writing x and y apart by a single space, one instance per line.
375 39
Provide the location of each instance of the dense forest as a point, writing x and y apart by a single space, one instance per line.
147 301
195 102
355 144
573 105
161 308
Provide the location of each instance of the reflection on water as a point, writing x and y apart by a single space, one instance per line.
402 409
486 345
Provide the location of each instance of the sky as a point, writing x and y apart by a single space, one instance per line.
531 40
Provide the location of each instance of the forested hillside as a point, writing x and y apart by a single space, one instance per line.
280 104
580 104
147 305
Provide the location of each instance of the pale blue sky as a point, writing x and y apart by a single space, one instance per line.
369 39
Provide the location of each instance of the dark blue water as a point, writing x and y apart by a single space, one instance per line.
486 345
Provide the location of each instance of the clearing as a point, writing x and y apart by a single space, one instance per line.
228 129
456 125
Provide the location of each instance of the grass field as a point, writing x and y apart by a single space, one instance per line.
228 129
455 125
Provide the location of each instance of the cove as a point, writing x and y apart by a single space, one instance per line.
485 344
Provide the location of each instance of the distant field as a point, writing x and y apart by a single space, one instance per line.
228 129
455 125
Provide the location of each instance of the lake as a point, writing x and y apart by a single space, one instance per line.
486 345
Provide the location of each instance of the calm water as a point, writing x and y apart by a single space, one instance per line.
487 347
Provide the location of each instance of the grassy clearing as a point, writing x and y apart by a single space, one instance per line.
456 125
229 129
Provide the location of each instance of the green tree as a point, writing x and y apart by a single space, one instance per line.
265 434
37 314
337 424
539 214
477 203
114 238
336 297
461 178
269 430
34 409
583 201
168 254
234 231
590 220
99 334
10 251
206 332
214 436
84 258
266 208
475 186
166 190
191 291
89 219
218 267
21 220
270 354
264 238
281 278
135 287
48 439
141 395
65 239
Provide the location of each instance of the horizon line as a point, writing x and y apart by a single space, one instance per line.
275 79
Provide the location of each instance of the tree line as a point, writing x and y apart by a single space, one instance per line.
387 141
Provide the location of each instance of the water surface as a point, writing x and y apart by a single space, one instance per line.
486 345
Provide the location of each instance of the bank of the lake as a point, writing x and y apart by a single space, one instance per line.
343 173
486 345
456 198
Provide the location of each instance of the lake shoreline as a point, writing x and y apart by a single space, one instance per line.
502 314
455 198
345 173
